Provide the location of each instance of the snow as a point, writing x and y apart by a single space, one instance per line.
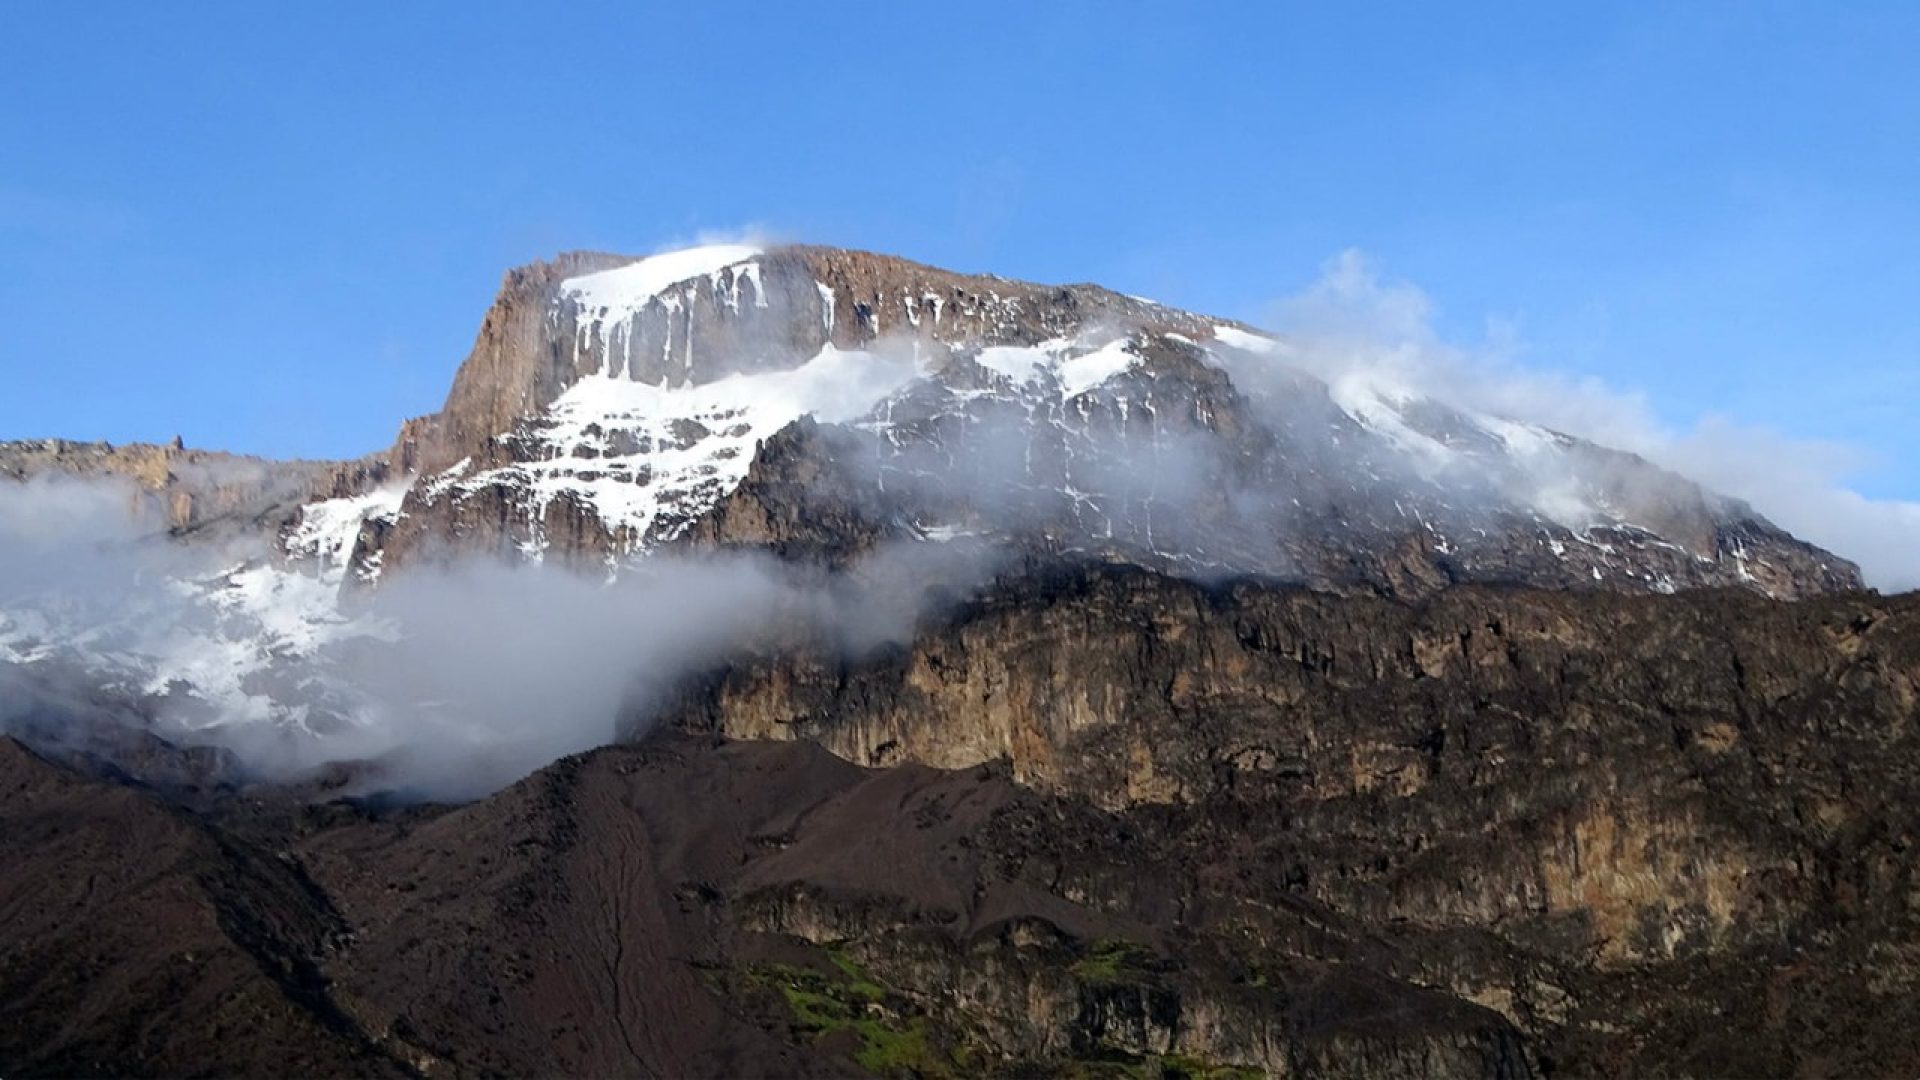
263 615
1078 374
214 632
695 442
1521 438
1235 338
622 292
327 530
1074 365
214 626
826 304
1374 401
1018 363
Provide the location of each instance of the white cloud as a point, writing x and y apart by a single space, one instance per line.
1352 322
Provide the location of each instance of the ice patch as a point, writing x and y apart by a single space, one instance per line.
327 530
1235 338
649 459
622 292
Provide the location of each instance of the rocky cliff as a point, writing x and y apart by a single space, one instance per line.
613 406
1231 719
1181 831
191 491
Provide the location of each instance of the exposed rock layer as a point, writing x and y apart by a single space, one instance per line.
196 491
1501 833
1146 443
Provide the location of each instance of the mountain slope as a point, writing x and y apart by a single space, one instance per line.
141 941
1006 679
611 405
1502 833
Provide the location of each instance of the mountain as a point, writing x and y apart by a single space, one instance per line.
195 493
612 405
1503 833
823 406
795 661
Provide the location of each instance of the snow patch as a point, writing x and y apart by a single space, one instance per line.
1376 403
1074 366
649 459
1235 338
624 291
327 530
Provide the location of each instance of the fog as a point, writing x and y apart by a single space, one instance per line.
445 683
450 682
1352 322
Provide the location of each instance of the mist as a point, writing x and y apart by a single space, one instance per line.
487 671
449 682
1353 323
446 683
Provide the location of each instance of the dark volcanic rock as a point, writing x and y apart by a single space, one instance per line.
139 940
1182 829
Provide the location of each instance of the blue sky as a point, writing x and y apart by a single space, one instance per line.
274 229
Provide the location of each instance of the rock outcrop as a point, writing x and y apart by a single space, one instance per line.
1241 830
190 491
612 406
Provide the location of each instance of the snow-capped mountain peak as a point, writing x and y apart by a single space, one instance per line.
816 403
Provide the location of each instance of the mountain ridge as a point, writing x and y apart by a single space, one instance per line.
1036 682
754 312
826 407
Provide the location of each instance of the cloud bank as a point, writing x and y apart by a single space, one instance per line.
1352 322
446 683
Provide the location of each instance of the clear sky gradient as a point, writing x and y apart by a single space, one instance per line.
274 227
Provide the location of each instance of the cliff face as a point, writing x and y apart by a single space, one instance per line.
614 406
1558 803
1178 831
196 490
1056 661
740 312
1307 728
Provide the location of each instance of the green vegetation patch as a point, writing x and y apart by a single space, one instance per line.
849 999
1183 1067
1114 961
858 980
1119 1065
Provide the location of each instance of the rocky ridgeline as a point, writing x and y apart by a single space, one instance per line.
1301 729
193 492
536 340
602 414
1230 832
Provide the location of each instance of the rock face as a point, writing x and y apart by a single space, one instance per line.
1241 830
1056 662
1304 728
193 492
612 406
